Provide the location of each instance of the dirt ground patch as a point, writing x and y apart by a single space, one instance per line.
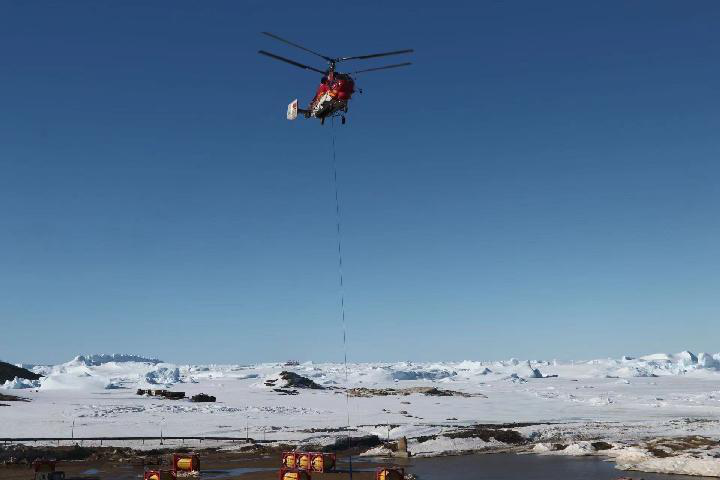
12 398
248 466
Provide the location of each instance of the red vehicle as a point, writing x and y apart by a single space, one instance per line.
336 88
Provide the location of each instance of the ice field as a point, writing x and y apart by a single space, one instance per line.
625 400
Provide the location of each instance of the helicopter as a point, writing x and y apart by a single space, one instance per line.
336 88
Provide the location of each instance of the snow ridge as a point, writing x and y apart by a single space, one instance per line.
107 371
99 359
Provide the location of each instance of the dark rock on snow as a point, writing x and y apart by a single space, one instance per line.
9 371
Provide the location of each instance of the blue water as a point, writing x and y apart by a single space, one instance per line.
524 467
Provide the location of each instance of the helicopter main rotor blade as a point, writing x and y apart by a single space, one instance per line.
373 55
272 35
383 68
291 62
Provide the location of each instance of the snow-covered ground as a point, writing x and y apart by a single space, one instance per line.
626 401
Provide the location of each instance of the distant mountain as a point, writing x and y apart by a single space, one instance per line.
9 371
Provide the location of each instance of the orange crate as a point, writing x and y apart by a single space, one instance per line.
186 464
293 474
389 473
159 475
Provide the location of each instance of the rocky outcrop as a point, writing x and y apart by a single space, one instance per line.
9 371
292 380
429 391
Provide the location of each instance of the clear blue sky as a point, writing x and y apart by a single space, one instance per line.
542 183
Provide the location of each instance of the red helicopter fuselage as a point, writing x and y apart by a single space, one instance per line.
335 90
333 93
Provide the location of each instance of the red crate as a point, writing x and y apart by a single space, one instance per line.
303 461
322 462
289 460
293 474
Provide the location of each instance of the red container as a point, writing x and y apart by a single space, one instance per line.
159 475
322 462
293 474
389 473
186 464
289 460
43 466
302 461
